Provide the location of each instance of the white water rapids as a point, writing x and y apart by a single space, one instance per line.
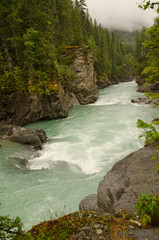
79 152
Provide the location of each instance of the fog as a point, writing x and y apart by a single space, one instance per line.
120 14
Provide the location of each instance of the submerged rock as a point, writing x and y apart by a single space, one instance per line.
20 163
125 181
34 137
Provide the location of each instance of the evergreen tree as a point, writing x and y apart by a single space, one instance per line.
34 34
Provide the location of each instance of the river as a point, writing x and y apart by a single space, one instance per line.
79 152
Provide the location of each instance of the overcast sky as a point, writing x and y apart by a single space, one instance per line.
120 14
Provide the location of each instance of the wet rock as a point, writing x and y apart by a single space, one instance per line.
5 130
126 180
34 137
20 163
146 100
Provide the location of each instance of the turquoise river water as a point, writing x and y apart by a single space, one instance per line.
79 152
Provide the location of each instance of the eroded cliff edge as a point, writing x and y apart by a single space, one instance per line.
21 108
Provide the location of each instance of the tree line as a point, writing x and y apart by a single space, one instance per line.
147 48
34 35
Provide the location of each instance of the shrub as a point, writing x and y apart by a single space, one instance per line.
148 209
151 134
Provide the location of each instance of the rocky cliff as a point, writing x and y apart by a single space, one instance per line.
122 185
149 87
21 108
103 82
84 82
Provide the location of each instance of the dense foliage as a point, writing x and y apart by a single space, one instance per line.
10 228
147 48
147 54
148 209
151 134
34 34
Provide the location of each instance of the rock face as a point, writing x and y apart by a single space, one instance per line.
140 81
84 82
103 82
90 203
127 179
33 137
153 87
21 108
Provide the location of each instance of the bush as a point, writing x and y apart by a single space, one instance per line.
151 134
148 209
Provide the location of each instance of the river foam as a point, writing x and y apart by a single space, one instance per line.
79 152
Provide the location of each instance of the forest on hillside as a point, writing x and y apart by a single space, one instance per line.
35 35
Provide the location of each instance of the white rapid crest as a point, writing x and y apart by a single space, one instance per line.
79 152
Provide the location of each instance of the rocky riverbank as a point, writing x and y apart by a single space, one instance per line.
124 182
149 87
20 108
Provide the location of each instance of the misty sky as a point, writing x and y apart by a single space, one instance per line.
120 14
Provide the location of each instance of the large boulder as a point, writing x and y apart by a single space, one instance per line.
125 181
146 100
33 137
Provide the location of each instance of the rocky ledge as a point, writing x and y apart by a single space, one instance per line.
33 137
147 87
121 186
